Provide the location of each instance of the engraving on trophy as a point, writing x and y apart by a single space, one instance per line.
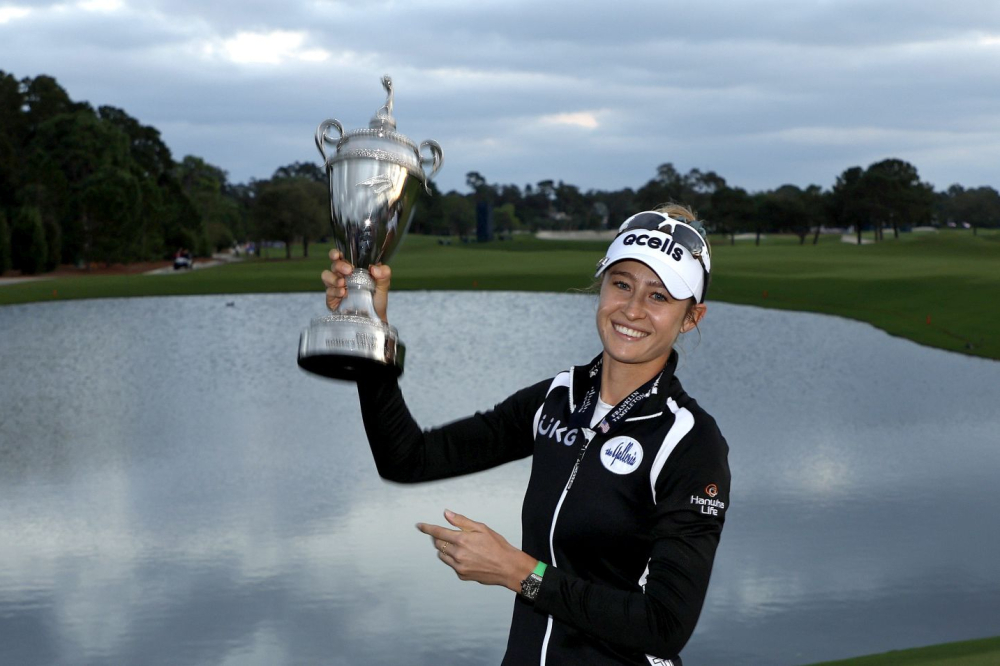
379 183
365 340
369 220
339 343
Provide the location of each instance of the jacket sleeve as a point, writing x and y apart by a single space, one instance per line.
658 618
406 454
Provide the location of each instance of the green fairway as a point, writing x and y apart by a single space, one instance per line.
985 652
936 288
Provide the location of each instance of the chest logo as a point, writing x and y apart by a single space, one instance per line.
621 455
552 428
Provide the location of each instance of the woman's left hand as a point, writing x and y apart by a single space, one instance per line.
478 553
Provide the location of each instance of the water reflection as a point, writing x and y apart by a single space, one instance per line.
174 490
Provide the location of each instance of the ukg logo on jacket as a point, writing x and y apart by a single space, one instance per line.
552 428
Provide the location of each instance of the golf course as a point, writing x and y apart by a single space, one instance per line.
935 288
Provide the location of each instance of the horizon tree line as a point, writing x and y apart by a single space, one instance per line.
80 185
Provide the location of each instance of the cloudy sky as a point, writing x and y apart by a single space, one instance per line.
764 92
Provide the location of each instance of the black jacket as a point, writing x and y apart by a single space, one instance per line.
629 541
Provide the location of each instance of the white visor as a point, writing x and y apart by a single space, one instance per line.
681 272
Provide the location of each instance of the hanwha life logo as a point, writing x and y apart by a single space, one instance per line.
621 455
711 490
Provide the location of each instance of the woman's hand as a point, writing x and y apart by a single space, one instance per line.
336 285
478 553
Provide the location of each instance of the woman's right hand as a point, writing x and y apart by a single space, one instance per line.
336 284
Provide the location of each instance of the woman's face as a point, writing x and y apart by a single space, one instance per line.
637 318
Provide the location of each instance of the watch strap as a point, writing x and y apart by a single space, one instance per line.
531 584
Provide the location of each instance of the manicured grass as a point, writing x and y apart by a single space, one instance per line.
938 289
985 652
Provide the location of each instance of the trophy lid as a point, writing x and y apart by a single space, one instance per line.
379 141
383 117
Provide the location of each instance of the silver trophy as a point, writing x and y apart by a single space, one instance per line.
375 175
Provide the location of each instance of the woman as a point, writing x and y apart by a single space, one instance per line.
629 480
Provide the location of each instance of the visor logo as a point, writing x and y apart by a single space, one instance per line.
666 244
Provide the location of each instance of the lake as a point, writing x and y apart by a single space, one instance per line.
174 490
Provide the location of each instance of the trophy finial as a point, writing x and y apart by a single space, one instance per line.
383 117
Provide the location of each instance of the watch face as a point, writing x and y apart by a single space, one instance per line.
530 585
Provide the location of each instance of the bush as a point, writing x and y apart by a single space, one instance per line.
27 241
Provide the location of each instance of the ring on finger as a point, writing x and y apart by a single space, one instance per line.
444 546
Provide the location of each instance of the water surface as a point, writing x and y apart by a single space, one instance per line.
174 490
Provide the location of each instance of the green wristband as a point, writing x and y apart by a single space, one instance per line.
540 569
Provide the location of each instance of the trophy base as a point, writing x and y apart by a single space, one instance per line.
349 346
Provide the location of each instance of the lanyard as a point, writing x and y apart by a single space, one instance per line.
584 413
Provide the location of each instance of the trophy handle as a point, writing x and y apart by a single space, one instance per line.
322 137
436 158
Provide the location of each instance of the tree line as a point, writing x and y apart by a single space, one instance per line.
80 185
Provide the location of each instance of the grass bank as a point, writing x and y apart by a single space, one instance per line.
937 289
985 652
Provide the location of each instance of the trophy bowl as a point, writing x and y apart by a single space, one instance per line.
374 176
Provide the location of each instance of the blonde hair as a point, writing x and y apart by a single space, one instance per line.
677 211
685 214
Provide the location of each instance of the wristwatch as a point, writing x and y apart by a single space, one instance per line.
531 584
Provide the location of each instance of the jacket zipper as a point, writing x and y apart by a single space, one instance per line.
552 528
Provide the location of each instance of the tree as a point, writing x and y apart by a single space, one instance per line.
12 138
460 214
848 200
817 207
5 264
476 182
894 194
978 207
182 223
150 155
65 153
53 243
783 210
287 209
313 183
536 204
577 210
307 170
620 205
27 240
668 185
429 212
732 210
110 205
505 219
205 184
44 99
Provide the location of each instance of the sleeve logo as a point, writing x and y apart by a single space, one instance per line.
710 506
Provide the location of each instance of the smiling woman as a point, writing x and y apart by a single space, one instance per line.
629 482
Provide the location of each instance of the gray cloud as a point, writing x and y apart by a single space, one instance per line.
764 92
